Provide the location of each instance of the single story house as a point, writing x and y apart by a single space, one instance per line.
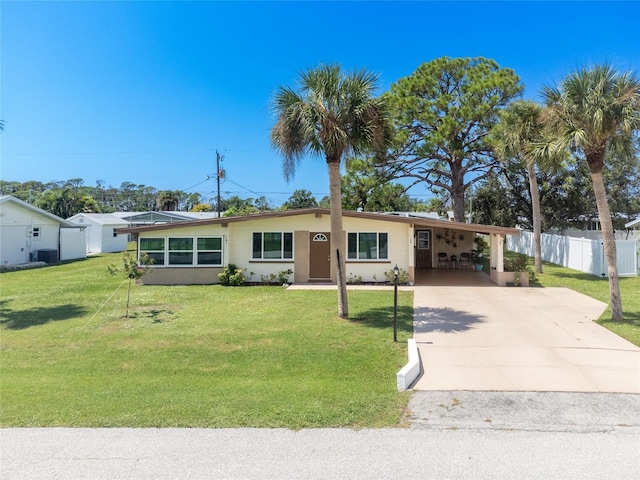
300 240
100 231
29 234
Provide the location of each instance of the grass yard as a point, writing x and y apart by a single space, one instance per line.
194 356
598 288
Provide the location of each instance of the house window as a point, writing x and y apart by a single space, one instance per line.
367 246
114 232
424 240
209 251
180 251
154 248
272 246
35 233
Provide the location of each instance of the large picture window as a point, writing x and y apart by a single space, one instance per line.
367 246
154 248
272 246
180 251
183 251
209 251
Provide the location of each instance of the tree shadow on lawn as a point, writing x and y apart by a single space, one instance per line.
383 318
19 320
156 315
582 276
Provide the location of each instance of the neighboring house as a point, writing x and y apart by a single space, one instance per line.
100 227
592 229
267 243
100 231
29 234
633 224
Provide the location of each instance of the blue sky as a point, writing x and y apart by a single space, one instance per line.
146 92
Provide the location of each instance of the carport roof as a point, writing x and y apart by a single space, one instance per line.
318 212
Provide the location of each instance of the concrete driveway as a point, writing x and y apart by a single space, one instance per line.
519 339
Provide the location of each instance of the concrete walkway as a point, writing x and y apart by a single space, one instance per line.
519 339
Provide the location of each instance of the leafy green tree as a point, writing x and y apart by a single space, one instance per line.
262 204
300 199
202 207
442 115
494 203
66 202
622 177
595 111
332 114
365 188
234 206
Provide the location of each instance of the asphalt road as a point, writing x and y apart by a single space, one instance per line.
448 435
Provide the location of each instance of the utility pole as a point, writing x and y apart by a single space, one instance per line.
219 174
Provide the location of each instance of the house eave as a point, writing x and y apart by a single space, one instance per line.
319 212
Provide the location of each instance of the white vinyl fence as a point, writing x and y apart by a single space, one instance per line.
580 254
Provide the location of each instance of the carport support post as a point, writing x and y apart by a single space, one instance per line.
396 271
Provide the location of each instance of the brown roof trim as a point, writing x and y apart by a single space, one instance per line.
319 212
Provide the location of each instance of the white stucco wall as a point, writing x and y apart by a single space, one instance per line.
99 235
72 244
16 234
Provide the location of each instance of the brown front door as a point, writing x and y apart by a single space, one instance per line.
423 248
320 255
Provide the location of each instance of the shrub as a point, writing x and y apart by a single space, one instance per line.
403 276
519 263
283 276
353 279
232 276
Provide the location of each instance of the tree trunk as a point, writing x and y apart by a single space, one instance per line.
537 222
457 196
337 237
608 241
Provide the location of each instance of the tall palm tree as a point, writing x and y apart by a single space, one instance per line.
593 112
517 136
332 114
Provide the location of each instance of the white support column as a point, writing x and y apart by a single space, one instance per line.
497 253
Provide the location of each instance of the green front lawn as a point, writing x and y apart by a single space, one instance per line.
194 356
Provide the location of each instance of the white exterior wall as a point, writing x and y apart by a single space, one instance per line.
16 234
72 244
99 236
109 243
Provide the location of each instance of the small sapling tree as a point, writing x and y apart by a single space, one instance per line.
133 269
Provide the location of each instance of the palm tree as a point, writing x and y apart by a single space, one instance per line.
594 112
167 201
516 137
332 114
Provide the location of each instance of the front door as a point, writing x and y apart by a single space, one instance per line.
320 255
423 248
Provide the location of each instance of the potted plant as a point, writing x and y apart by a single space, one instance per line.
480 244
